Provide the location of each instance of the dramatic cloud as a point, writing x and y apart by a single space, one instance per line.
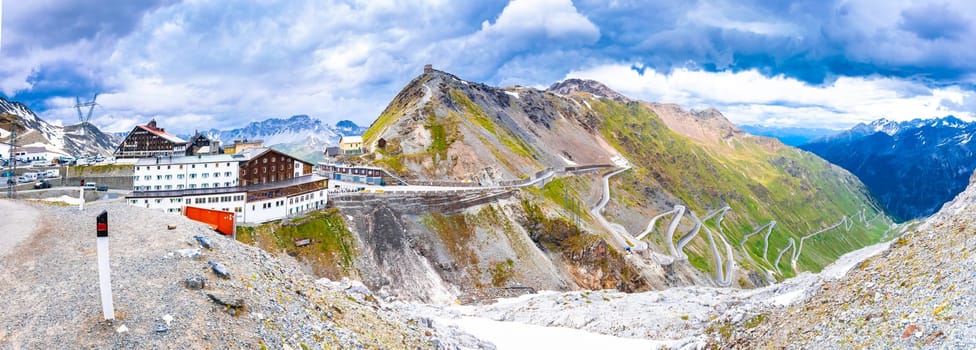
748 97
225 63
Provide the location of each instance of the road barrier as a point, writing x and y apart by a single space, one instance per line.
222 221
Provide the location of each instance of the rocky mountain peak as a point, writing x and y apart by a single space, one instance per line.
569 86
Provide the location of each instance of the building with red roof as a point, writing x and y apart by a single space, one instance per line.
150 141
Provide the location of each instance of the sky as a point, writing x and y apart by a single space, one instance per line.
196 64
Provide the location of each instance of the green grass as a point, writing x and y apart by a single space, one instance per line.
407 97
333 248
760 183
474 112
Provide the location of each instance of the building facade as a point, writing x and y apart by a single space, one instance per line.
282 186
150 141
360 174
351 145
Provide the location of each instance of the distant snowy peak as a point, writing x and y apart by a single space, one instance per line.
892 127
72 139
296 129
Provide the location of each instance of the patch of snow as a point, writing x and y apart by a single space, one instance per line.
512 93
64 199
587 105
517 335
568 162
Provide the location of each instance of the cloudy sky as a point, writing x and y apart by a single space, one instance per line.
219 63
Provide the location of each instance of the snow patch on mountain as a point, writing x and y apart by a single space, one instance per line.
78 139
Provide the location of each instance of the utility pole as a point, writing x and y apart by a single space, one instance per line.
12 180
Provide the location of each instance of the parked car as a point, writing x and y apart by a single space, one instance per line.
42 184
102 188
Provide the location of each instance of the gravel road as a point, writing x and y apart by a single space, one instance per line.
16 224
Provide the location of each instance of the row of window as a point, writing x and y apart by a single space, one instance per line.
178 187
220 199
180 176
192 166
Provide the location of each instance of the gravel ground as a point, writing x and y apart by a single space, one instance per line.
49 287
16 224
917 294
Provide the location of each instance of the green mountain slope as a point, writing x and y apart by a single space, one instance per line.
443 128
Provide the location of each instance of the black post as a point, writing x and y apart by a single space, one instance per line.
101 228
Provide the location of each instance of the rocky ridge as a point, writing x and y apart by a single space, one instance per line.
917 294
74 140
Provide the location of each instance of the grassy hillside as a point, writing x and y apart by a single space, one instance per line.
759 180
332 251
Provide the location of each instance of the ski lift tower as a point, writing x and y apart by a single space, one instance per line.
85 118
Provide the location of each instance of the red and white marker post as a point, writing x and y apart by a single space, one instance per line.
104 270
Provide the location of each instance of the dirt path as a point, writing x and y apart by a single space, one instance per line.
17 223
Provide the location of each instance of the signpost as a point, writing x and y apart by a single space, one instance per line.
104 271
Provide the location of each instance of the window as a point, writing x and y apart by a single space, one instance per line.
158 187
204 165
179 187
216 174
193 176
147 177
204 185
255 171
216 184
226 184
168 187
192 186
168 167
135 178
181 166
193 166
205 175
227 174
169 177
179 176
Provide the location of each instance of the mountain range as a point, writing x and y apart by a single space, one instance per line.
911 167
299 135
441 128
75 140
793 136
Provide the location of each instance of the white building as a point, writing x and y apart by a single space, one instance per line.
259 185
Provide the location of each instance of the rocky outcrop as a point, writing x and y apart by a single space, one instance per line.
917 294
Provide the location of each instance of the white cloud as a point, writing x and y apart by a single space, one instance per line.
553 19
749 97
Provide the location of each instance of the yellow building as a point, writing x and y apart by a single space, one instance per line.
240 145
351 145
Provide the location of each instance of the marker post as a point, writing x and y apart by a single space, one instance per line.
81 199
104 271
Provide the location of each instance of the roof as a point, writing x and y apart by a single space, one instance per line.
212 158
169 137
252 153
351 139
